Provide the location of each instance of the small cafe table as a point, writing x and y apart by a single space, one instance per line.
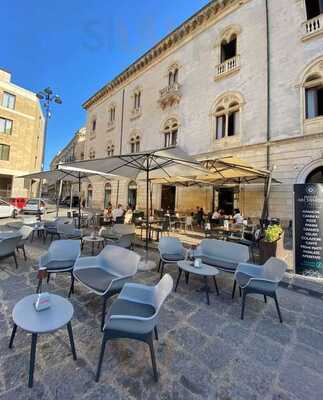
25 316
206 271
93 239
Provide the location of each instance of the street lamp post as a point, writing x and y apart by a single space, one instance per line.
46 97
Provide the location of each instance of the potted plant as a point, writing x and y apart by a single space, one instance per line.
268 244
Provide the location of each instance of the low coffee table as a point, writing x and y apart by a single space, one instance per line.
93 240
35 322
204 270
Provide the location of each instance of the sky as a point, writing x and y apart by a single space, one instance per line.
77 46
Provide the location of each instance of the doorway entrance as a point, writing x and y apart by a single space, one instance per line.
132 195
168 197
316 176
226 200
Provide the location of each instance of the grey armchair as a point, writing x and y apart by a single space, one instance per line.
59 258
134 315
8 247
106 273
25 232
261 279
51 227
223 255
68 231
119 234
171 250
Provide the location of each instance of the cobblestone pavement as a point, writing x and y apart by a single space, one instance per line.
204 352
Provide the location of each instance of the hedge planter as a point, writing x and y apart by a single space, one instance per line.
272 249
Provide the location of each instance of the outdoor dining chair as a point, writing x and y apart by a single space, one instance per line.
134 315
106 273
8 247
68 231
59 258
171 251
260 279
25 232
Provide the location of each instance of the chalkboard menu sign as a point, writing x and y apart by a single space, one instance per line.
308 223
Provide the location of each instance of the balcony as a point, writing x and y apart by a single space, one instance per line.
135 113
228 67
170 95
111 125
313 27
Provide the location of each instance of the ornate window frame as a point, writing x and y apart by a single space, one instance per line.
313 70
112 116
135 142
91 154
136 99
170 129
226 104
232 65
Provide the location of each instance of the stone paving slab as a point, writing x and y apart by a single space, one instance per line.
204 352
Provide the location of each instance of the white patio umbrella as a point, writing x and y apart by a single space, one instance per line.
148 165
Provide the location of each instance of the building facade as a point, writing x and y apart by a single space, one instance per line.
73 151
240 78
21 137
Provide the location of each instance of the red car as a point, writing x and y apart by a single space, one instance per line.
18 202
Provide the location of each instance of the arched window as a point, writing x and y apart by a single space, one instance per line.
226 114
89 196
93 126
110 150
92 154
229 48
313 86
137 100
313 8
107 195
135 144
111 115
170 132
173 72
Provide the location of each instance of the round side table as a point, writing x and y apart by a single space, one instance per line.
96 239
204 270
26 317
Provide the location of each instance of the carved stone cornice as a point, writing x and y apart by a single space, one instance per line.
194 24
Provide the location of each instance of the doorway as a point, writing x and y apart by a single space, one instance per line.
226 200
168 197
132 195
107 195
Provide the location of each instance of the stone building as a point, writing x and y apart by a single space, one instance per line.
73 151
240 78
21 137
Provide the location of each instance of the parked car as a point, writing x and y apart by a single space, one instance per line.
18 202
7 210
39 206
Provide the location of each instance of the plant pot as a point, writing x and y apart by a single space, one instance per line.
267 250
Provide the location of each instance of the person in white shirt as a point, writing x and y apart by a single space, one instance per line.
216 215
238 218
117 213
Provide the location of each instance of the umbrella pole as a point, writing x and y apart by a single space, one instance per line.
79 216
59 197
147 206
71 198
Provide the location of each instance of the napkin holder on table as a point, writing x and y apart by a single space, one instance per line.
42 301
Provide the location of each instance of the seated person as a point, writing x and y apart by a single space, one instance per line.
128 216
107 213
238 218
